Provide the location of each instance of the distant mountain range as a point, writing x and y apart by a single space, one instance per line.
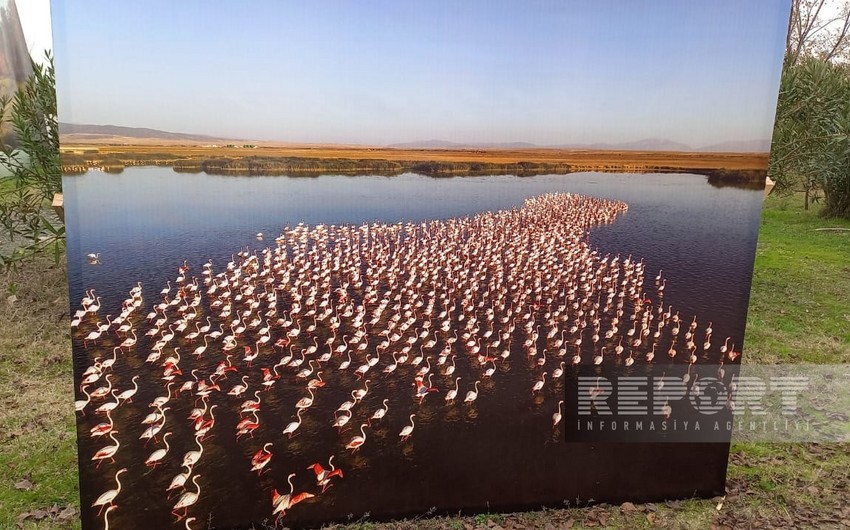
746 146
95 132
443 144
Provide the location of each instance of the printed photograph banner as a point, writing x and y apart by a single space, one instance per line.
339 261
15 64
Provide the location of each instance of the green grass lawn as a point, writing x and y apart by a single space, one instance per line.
800 302
799 312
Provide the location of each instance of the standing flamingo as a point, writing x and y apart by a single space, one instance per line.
538 386
187 499
407 431
305 402
250 404
345 364
472 395
128 394
107 498
102 429
192 457
343 419
108 451
128 342
452 393
109 363
380 413
202 427
248 425
238 390
80 404
556 417
109 405
162 400
179 479
159 454
292 427
201 349
358 441
360 393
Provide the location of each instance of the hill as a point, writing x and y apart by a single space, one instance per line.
93 132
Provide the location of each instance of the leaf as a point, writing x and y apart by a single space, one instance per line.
34 178
23 484
38 515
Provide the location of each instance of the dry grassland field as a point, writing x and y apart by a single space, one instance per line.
592 159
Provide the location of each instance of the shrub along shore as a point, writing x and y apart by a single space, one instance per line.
438 165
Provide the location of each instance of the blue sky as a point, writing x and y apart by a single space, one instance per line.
379 72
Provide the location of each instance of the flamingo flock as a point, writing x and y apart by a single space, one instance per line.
366 310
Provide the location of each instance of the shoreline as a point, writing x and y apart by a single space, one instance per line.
747 169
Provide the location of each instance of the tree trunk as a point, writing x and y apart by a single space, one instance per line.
836 203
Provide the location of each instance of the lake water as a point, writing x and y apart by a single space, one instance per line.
703 237
501 455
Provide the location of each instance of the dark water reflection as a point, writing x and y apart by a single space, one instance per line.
500 453
703 237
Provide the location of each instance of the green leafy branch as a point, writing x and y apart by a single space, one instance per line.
33 163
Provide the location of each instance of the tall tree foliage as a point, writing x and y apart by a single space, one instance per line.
811 146
811 139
